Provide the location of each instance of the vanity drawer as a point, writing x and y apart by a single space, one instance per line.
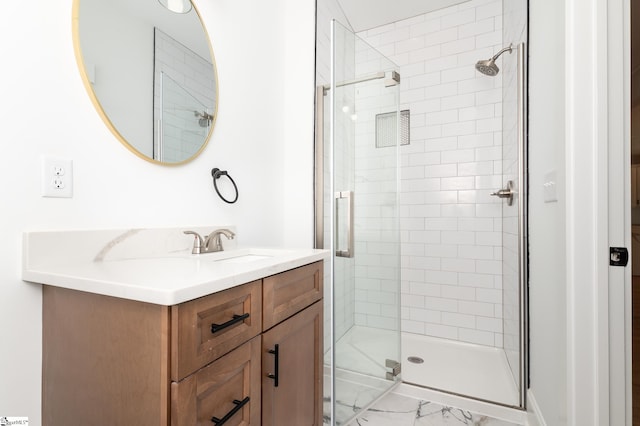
290 292
230 386
204 329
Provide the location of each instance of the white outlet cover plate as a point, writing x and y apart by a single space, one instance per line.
57 177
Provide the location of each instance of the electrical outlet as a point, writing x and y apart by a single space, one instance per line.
57 177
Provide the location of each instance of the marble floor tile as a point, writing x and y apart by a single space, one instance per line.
353 392
400 410
360 379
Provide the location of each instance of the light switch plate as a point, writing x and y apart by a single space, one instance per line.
550 187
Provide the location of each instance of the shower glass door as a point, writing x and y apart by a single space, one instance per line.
362 225
514 222
514 214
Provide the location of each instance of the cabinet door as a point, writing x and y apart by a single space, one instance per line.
289 292
634 186
292 356
227 389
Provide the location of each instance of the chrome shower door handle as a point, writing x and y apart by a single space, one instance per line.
348 196
507 193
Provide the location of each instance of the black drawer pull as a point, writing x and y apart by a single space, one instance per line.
274 376
236 319
238 407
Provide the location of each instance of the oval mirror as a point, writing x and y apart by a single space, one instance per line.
149 69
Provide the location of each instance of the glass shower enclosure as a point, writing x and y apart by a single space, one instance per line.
357 219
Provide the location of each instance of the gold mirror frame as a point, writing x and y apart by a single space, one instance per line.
98 106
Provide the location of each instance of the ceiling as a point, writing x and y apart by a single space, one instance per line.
366 14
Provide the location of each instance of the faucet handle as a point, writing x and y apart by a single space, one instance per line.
197 242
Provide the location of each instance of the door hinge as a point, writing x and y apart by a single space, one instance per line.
395 367
618 256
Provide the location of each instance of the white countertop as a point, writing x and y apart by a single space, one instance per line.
167 274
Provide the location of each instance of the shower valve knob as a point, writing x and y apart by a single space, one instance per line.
507 193
503 193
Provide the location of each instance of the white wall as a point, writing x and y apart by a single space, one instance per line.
124 65
547 246
327 10
44 109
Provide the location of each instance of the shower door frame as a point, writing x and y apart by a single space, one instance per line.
523 224
522 194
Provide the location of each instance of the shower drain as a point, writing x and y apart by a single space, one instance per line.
415 359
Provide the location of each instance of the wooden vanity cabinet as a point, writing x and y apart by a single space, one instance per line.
292 348
214 373
108 360
293 357
206 328
288 293
228 387
635 185
105 360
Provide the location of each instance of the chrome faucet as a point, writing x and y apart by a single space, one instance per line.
211 243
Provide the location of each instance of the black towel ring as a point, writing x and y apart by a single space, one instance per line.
216 173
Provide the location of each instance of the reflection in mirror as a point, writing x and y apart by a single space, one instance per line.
150 73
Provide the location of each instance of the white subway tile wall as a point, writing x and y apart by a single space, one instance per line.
190 87
450 226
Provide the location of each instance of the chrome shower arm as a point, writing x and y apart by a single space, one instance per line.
505 49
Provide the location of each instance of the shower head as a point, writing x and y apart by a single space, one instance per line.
488 66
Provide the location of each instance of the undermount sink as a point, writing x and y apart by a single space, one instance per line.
221 257
240 255
243 258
